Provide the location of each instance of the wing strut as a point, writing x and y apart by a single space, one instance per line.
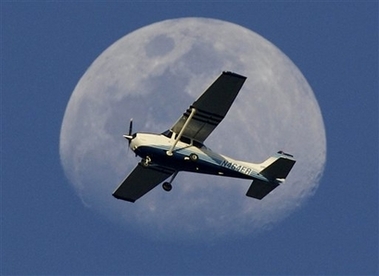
169 152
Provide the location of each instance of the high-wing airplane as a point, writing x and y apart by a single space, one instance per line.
181 148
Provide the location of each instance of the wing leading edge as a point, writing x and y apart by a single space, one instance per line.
211 107
140 181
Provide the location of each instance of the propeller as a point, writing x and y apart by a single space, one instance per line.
129 137
131 126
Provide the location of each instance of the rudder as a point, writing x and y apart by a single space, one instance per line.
280 168
275 170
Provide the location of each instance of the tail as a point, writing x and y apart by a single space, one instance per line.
274 172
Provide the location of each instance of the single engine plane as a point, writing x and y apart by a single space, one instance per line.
181 148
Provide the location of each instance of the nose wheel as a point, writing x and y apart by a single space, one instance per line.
146 162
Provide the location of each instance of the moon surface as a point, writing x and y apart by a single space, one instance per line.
152 75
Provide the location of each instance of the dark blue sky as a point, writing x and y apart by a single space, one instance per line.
46 48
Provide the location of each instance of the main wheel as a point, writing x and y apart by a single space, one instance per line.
167 186
193 157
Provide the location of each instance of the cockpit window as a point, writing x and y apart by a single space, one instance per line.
169 133
185 140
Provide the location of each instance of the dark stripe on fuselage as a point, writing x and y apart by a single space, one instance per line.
177 162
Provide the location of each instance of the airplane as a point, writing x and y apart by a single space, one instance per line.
181 148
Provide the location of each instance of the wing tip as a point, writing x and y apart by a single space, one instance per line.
230 73
123 198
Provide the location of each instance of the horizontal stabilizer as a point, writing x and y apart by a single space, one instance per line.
260 188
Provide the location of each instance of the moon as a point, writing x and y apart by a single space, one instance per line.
152 75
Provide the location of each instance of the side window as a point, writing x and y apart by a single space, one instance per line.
185 140
197 144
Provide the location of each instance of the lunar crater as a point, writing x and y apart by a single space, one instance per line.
159 46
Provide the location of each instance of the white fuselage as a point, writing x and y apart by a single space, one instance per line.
155 147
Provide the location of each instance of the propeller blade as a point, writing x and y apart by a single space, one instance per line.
130 126
129 137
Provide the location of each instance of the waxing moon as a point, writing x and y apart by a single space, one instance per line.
152 75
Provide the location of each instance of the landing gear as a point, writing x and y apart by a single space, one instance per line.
167 185
193 157
146 162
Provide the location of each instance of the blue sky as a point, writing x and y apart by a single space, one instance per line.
46 48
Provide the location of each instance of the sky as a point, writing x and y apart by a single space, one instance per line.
45 229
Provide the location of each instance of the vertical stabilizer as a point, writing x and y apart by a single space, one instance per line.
278 167
275 170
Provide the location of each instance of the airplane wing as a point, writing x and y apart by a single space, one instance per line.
211 107
140 181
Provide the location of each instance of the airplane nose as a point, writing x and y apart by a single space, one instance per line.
129 137
132 142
